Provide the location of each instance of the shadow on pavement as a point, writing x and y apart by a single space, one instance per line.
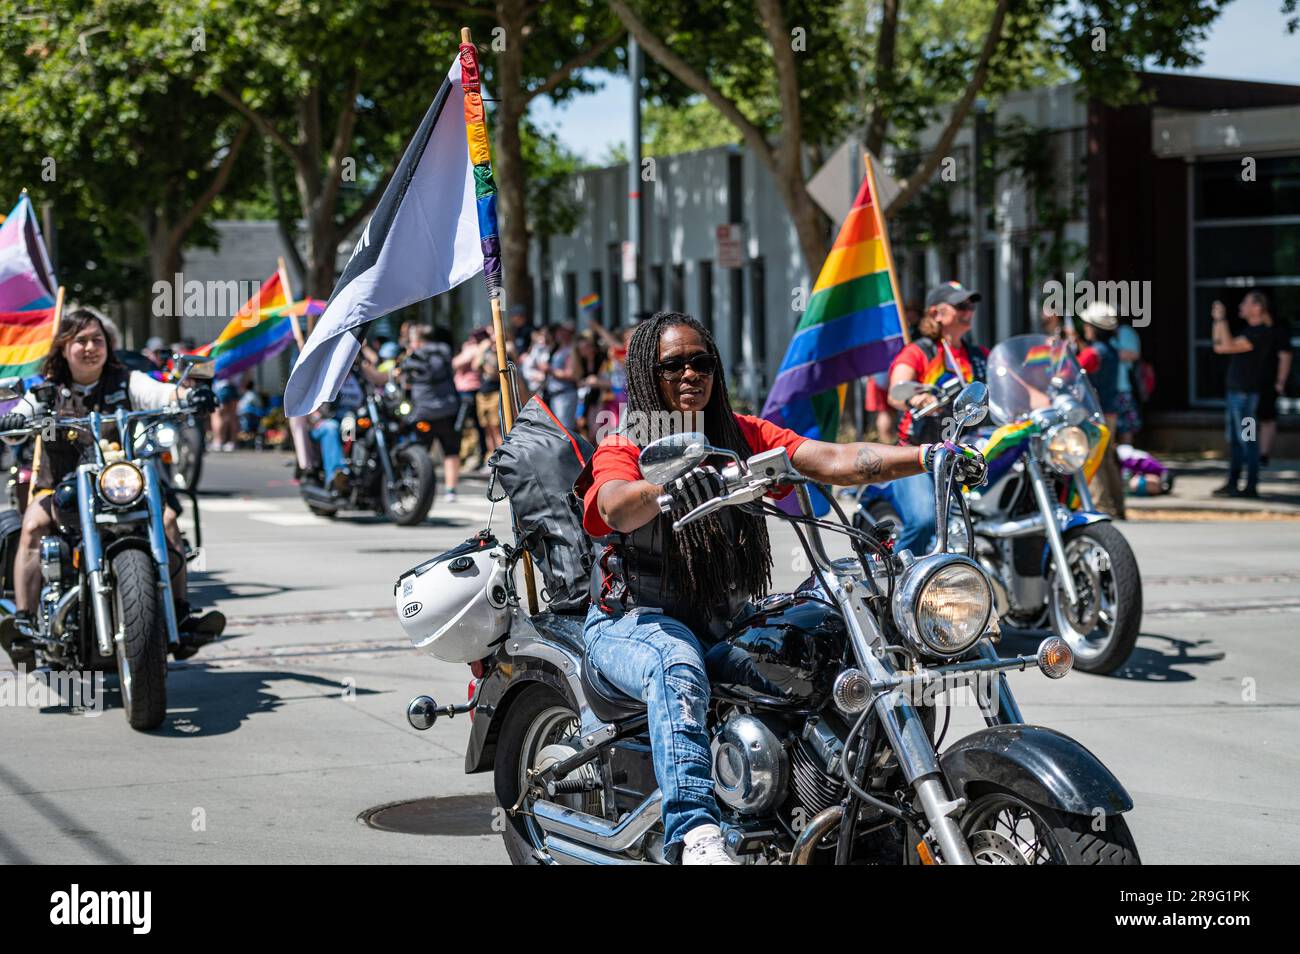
1146 664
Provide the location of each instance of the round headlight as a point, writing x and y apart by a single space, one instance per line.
1067 448
952 609
121 483
164 435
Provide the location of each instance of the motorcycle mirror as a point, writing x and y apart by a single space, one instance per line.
972 403
201 367
11 388
669 457
904 390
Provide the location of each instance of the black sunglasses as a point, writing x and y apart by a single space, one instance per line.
701 363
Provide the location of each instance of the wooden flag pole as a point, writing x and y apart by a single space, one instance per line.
58 313
507 393
288 294
884 241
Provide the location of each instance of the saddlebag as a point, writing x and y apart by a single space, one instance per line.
536 466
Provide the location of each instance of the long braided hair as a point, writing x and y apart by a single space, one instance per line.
702 561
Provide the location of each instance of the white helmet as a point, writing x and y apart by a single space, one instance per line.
455 604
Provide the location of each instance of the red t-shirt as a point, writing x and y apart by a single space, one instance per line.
937 370
616 459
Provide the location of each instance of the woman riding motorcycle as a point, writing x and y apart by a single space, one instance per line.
659 598
90 377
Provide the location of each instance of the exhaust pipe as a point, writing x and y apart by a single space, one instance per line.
320 497
567 852
601 833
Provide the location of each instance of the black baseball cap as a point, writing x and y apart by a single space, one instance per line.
950 293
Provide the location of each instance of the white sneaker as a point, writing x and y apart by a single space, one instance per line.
449 497
703 845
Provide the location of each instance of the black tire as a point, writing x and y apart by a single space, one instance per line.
1102 650
187 466
1058 837
142 651
409 504
533 705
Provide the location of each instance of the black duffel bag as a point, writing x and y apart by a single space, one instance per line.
536 466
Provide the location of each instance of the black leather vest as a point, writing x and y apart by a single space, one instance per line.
629 572
55 459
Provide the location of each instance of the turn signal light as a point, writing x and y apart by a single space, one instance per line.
424 427
1055 658
363 422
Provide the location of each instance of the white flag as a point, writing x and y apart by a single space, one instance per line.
422 240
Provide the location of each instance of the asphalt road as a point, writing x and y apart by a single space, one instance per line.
279 737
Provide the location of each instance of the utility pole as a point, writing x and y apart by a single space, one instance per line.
632 247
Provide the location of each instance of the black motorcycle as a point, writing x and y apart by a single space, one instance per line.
106 599
389 470
828 727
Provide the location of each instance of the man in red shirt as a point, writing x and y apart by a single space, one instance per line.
660 596
932 360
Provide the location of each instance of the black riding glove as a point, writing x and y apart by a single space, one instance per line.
12 422
203 400
692 489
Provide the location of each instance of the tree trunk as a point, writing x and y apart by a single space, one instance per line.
508 161
164 265
885 46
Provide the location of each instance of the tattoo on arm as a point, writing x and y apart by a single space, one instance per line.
868 465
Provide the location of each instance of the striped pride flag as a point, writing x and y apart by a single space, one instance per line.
852 328
27 293
260 330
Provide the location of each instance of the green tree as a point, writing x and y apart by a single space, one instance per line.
529 49
131 155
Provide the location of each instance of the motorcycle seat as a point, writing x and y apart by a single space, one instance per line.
607 703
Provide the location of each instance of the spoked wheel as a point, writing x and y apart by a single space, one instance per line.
1002 829
407 501
1103 628
540 729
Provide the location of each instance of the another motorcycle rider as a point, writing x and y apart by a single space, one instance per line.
90 377
659 598
934 361
430 380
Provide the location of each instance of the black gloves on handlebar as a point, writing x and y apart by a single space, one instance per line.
692 489
968 464
203 400
12 422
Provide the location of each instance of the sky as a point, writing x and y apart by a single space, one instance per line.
1248 42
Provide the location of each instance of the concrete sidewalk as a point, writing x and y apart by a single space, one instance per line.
1196 478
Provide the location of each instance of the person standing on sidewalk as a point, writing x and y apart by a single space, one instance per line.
1249 369
1100 358
1277 368
561 389
468 380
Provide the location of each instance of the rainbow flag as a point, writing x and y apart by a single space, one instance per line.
259 330
480 155
588 302
27 293
852 328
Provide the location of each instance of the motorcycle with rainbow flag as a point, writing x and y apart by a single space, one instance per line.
1056 561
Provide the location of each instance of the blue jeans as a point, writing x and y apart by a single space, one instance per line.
657 659
914 501
1243 453
326 434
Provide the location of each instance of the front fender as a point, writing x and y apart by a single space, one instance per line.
1076 518
1040 765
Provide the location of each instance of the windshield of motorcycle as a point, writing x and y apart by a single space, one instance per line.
1029 372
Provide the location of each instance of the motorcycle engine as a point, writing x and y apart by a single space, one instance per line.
751 770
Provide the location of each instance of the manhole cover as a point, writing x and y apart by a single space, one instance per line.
449 815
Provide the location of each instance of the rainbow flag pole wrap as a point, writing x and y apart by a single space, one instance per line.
852 327
28 291
480 156
259 330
